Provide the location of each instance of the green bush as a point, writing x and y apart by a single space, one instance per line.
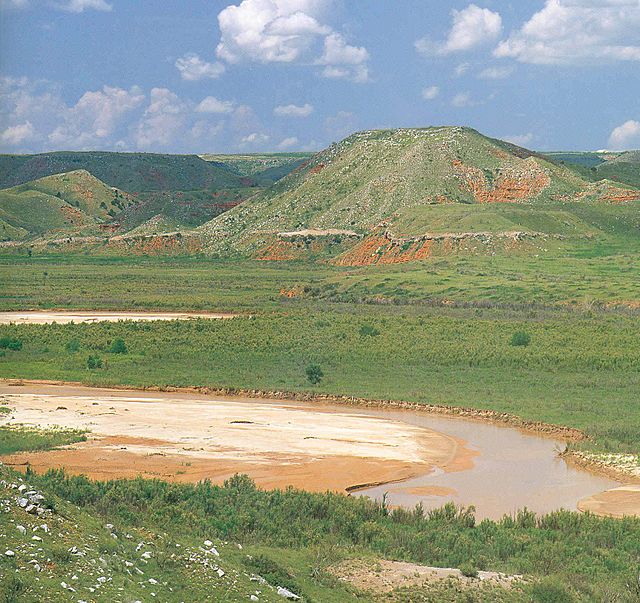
550 590
314 373
72 346
369 331
94 362
521 338
10 343
118 346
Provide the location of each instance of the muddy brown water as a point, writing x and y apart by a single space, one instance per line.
422 458
513 470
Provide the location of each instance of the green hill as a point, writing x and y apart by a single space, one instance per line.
397 188
70 203
621 167
133 172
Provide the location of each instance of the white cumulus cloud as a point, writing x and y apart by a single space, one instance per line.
79 6
211 104
192 68
567 32
430 93
287 143
288 31
16 135
625 136
293 110
471 27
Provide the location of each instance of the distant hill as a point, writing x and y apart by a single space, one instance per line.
70 203
133 172
622 167
185 188
264 168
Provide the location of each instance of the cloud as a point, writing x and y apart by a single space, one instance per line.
211 104
35 118
344 61
94 117
287 143
625 136
430 93
495 73
521 140
269 31
192 68
577 32
79 6
288 31
461 69
293 110
162 119
471 27
16 135
463 99
255 139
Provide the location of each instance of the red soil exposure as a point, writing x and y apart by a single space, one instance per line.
383 249
512 184
156 244
317 169
291 293
279 251
380 250
617 195
71 214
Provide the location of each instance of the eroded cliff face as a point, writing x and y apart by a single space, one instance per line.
384 248
512 184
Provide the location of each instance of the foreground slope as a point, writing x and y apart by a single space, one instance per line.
404 186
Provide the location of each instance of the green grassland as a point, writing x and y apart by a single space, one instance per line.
618 167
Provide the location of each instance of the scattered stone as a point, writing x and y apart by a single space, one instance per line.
36 538
208 543
287 594
21 529
9 553
152 581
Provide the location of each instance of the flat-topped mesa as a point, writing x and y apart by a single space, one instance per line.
391 175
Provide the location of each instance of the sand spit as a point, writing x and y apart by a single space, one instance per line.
189 438
617 502
65 316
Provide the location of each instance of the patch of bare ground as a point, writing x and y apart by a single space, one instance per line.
617 502
385 576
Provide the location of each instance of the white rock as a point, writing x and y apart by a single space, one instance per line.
22 488
253 598
23 502
152 581
208 543
220 572
146 555
102 579
128 563
36 538
9 553
109 526
21 529
287 594
214 551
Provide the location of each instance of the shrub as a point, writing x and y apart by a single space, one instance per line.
72 346
94 362
369 331
314 373
468 570
118 346
521 338
10 343
550 590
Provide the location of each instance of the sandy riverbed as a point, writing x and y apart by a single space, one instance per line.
188 438
65 317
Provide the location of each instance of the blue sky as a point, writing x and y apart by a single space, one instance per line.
266 75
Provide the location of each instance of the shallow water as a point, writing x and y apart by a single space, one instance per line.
513 470
68 316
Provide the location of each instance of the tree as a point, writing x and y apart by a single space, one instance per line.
314 374
94 362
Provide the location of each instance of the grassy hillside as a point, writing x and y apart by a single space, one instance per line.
374 183
133 172
64 204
